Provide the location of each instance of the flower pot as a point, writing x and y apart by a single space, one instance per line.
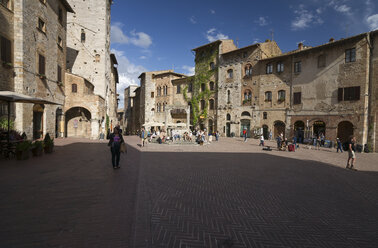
22 155
48 149
37 152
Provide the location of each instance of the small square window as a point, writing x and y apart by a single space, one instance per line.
297 97
280 67
269 68
152 94
297 67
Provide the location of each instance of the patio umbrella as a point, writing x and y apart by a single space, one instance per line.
10 96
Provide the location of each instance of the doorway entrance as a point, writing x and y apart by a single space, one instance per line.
265 132
228 129
279 127
245 124
344 130
299 127
38 110
319 127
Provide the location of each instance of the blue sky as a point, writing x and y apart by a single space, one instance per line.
157 35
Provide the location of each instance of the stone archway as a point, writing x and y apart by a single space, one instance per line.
319 127
344 130
38 110
78 122
299 128
279 127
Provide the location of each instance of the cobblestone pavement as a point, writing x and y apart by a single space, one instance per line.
226 194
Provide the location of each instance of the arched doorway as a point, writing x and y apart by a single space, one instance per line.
78 122
265 132
299 128
38 110
58 121
245 124
228 129
344 130
319 127
279 127
211 126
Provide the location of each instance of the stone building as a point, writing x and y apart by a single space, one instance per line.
33 47
129 124
240 92
156 98
329 89
89 57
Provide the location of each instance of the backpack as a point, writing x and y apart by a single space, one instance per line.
346 146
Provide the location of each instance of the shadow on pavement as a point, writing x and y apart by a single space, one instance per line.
73 198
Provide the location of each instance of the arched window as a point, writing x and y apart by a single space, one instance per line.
202 104
212 65
268 96
203 87
212 85
74 88
211 103
247 95
245 113
281 95
159 91
228 117
228 96
190 87
230 73
248 70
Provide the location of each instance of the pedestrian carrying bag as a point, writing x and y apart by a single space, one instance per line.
123 148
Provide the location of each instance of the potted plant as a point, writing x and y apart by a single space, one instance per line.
23 150
37 148
48 144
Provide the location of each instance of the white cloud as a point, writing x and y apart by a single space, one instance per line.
189 70
373 22
193 20
212 11
128 74
342 8
143 57
213 35
262 21
304 18
139 39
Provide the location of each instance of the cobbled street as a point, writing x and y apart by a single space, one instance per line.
226 194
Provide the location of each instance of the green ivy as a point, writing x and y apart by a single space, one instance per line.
203 75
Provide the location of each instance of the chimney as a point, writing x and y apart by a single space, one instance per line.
300 46
331 40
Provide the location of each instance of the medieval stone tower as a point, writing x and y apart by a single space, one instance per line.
88 43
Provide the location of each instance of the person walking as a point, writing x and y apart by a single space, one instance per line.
142 136
351 153
339 146
261 140
217 135
115 141
270 135
245 135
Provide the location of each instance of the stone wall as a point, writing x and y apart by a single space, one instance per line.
29 42
6 30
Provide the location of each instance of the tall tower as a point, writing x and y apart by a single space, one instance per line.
88 43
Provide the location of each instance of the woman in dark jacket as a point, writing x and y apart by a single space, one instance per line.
115 141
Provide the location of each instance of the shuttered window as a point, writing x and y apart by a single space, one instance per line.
6 50
59 74
41 65
349 94
297 97
74 88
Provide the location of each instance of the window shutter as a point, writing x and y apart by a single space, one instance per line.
357 93
59 74
8 49
3 49
340 94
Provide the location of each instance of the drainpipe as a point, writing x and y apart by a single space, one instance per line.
370 121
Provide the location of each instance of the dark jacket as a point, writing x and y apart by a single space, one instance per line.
111 139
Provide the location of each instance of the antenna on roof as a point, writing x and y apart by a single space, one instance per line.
272 34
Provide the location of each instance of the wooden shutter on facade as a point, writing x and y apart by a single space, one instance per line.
59 74
6 50
41 68
340 94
